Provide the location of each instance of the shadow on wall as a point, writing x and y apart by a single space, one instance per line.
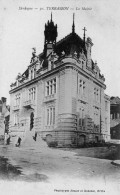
115 132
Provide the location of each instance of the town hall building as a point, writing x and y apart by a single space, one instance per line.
60 96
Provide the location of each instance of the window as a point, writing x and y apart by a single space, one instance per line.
81 87
32 93
105 123
53 116
51 87
106 105
118 115
96 116
82 63
47 116
17 100
81 119
16 119
95 119
32 72
50 116
114 117
52 65
111 116
96 94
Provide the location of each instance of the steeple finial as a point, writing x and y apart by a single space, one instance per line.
73 26
51 16
84 29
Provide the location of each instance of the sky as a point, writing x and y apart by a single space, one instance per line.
21 30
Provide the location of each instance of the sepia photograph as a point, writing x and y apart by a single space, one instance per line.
59 97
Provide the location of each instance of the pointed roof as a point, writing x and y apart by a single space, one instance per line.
68 41
73 26
69 44
68 37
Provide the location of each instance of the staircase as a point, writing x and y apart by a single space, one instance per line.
28 143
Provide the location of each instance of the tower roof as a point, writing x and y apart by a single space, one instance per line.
50 31
73 26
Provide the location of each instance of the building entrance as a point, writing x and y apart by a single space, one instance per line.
31 120
81 140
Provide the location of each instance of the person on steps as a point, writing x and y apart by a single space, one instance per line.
35 137
18 142
8 140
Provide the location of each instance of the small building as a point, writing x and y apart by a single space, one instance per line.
61 95
4 116
115 117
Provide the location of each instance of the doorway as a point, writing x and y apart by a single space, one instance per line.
81 140
31 120
96 139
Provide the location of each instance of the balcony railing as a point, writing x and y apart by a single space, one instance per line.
16 107
50 97
28 103
82 98
96 103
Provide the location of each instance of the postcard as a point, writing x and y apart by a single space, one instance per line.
59 97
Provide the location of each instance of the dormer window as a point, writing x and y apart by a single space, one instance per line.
32 73
82 64
52 65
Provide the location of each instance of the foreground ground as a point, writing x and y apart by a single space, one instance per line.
56 170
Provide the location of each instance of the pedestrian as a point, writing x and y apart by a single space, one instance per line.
35 137
18 142
8 140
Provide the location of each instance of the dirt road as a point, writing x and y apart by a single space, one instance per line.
54 170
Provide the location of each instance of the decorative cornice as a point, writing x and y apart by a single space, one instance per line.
54 71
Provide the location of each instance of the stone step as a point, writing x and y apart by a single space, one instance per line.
27 141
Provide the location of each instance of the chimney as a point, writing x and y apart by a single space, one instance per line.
3 99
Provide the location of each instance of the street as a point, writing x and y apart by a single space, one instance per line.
59 169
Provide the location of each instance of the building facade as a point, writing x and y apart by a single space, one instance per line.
4 116
115 117
61 95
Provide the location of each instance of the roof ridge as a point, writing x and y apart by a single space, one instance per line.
61 40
